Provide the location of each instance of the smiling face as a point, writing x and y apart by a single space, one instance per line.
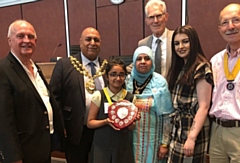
182 46
116 77
143 63
156 19
229 24
90 42
22 39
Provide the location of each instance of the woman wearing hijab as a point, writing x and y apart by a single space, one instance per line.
151 134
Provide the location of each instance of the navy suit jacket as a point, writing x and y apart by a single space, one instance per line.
24 126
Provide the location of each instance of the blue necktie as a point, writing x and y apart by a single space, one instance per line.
96 80
93 70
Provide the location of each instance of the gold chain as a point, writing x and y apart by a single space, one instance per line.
90 84
138 89
79 67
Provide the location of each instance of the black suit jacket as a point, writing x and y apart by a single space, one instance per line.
68 88
24 124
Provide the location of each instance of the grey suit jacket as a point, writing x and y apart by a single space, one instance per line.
147 41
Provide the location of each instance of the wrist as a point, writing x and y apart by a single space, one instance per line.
106 121
191 138
164 145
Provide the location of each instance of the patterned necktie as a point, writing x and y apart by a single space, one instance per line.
158 57
96 80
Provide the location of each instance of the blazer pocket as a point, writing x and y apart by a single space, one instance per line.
67 113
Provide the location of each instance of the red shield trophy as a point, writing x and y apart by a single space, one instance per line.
123 113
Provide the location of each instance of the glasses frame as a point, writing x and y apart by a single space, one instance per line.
225 23
158 16
115 75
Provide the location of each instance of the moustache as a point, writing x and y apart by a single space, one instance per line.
232 32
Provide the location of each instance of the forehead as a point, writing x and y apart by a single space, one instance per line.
155 9
23 28
142 55
117 68
230 12
180 36
91 33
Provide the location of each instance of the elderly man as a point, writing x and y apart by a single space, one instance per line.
74 80
28 112
160 40
225 110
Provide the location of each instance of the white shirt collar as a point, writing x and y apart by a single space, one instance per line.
85 61
162 37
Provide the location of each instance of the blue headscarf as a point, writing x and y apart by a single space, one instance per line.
139 77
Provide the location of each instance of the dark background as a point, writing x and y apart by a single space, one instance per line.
120 26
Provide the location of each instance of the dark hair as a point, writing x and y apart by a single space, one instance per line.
114 62
195 54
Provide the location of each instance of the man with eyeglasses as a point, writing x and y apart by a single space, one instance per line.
73 81
160 40
225 110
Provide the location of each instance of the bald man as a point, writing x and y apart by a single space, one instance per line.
225 110
28 112
73 85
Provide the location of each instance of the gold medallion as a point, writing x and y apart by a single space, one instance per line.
90 86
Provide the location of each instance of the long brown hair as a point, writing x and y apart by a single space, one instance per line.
195 55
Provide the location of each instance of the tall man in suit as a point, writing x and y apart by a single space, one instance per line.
28 112
156 19
73 83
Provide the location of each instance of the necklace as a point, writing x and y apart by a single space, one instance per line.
90 84
230 75
139 89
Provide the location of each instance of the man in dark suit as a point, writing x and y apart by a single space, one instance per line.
156 19
28 112
73 83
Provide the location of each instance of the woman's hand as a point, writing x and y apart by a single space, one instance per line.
110 123
163 151
138 117
189 147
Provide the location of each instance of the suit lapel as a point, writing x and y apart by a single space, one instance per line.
81 77
149 42
19 70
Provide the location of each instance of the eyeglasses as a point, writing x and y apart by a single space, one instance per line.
89 39
159 16
234 21
115 75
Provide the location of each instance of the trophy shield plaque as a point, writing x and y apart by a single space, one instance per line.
122 113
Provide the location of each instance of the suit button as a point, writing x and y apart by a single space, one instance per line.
47 127
45 112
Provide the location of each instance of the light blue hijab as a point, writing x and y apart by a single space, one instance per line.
139 77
